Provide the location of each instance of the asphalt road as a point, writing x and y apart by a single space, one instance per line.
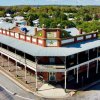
10 91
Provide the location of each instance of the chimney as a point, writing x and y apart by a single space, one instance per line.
80 31
35 30
17 24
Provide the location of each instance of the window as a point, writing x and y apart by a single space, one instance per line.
52 60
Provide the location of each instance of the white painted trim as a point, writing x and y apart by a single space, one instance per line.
40 41
7 32
88 36
28 38
22 36
17 35
33 40
94 35
12 34
80 38
71 68
4 31
67 41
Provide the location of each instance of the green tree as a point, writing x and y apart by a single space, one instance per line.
2 13
87 17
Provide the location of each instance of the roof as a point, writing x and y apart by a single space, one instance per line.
36 50
36 21
6 25
19 18
31 30
73 31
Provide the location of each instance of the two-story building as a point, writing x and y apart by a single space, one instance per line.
55 54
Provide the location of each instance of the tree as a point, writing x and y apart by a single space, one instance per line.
2 13
26 8
53 24
87 17
45 21
69 24
90 26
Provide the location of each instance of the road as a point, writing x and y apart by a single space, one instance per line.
92 93
11 91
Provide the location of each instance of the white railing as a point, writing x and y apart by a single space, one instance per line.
84 63
18 58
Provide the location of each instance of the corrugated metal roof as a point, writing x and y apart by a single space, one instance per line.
73 31
36 50
6 25
31 30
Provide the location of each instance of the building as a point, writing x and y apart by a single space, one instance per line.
54 54
19 20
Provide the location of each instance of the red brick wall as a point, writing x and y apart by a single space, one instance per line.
59 76
44 60
46 76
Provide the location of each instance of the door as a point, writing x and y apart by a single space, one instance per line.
52 76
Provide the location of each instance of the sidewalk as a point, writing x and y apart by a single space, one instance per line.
49 91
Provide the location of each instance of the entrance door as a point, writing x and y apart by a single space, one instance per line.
52 76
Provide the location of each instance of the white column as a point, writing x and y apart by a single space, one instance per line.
88 70
2 59
65 74
97 63
16 69
25 67
77 58
36 73
65 79
88 66
8 60
97 67
8 64
16 64
77 68
77 74
74 71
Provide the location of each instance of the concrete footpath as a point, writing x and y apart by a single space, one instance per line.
49 91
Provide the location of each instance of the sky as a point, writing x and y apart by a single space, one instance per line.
49 2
